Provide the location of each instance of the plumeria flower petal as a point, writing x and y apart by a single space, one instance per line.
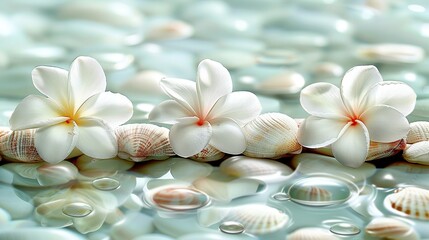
206 111
54 143
368 109
354 135
188 137
76 111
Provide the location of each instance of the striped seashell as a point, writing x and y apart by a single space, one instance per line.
310 233
180 198
417 153
140 142
379 150
243 166
412 202
271 135
209 153
391 228
18 146
313 193
258 218
419 131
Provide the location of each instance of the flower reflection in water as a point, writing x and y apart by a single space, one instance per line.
84 199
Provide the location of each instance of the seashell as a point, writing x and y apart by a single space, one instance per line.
258 218
242 166
180 198
410 201
379 150
167 29
139 142
271 135
391 228
313 193
18 146
209 153
310 233
419 131
391 53
417 153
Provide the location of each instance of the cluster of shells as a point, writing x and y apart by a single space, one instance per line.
270 135
417 150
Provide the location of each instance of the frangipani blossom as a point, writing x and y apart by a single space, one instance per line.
76 112
206 112
364 109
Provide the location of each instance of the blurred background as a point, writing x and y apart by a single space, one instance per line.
273 47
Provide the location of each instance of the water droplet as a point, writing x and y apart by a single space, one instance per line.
180 199
106 184
281 196
231 227
321 191
345 229
77 210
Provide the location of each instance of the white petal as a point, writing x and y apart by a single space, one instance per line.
316 132
183 91
213 82
385 124
323 100
52 82
35 111
168 112
54 143
112 108
96 139
227 136
86 78
187 138
352 147
355 85
239 106
395 94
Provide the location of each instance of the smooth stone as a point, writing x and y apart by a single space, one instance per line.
243 44
282 84
399 173
325 70
144 83
38 234
75 33
205 9
4 216
390 53
15 202
93 165
56 174
154 57
134 203
111 58
167 29
280 57
129 229
294 39
231 59
37 55
115 13
247 78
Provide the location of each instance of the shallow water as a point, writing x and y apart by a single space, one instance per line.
273 48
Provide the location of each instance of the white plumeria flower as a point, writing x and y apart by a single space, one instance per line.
364 109
206 112
76 111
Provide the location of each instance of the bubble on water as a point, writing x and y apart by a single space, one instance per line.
231 227
106 184
77 210
345 229
281 196
180 198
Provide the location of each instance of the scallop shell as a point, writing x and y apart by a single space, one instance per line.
258 218
391 228
417 153
419 131
242 166
18 146
139 142
412 202
311 233
313 193
381 150
180 198
271 135
209 153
